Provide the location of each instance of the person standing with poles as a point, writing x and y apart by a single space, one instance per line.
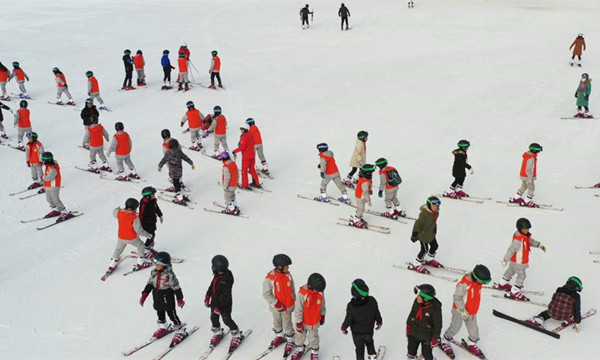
304 12
344 13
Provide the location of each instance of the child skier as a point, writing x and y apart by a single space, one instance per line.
362 315
21 77
121 145
528 176
329 172
52 182
173 158
304 12
467 297
364 189
583 97
220 301
219 126
425 230
2 131
167 67
96 135
165 289
389 179
139 63
215 70
578 47
149 211
194 117
246 148
23 121
87 114
424 322
62 87
229 179
359 157
258 145
280 293
565 305
4 74
310 314
182 79
33 156
517 259
128 63
344 13
458 170
94 89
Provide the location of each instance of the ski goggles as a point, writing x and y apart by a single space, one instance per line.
422 294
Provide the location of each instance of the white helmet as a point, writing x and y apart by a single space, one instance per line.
245 126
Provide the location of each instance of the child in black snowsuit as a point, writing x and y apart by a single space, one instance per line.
149 211
458 170
424 323
362 315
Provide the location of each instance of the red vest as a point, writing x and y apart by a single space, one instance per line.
20 74
331 167
182 62
138 61
473 298
522 255
96 136
24 121
33 152
282 288
56 181
194 118
387 178
233 170
217 61
94 85
63 78
123 147
312 306
526 156
126 230
359 189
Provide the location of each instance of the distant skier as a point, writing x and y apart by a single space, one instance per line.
194 118
165 289
33 157
584 89
258 144
21 77
359 157
220 301
62 87
389 179
2 131
309 315
364 189
329 172
139 63
362 315
280 292
424 322
174 157
304 12
565 305
4 74
528 176
167 67
219 126
88 113
344 13
246 148
96 135
22 123
121 146
128 63
578 47
458 170
94 89
425 231
52 183
215 70
182 78
149 212
517 259
229 179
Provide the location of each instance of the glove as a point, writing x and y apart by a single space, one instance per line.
434 342
344 331
279 307
193 167
378 325
543 247
150 237
234 157
322 320
407 330
161 219
180 303
504 263
587 97
207 300
28 164
89 94
11 111
217 311
300 327
414 237
181 124
471 171
465 314
159 169
319 166
575 93
576 328
380 193
27 77
322 175
143 298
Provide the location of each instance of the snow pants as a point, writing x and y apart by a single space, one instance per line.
21 132
37 172
227 320
310 335
127 160
344 20
391 198
514 268
167 74
337 180
183 78
458 181
128 77
430 249
62 90
305 21
360 207
195 136
221 139
97 150
121 244
53 198
525 186
413 346
229 194
22 86
84 133
248 167
213 75
282 321
3 86
141 76
172 315
360 342
259 152
456 324
96 95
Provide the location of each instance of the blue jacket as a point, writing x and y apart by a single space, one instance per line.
165 62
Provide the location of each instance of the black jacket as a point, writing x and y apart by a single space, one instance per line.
304 12
344 12
460 163
88 113
149 211
2 106
219 291
428 324
128 63
362 315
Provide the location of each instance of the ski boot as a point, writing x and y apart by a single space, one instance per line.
20 146
372 357
59 102
517 200
597 185
170 189
358 222
142 264
71 102
149 253
473 348
232 210
5 97
221 86
64 215
217 337
129 87
211 86
447 348
24 96
400 213
121 177
113 264
418 267
180 334
503 287
579 63
432 262
535 321
133 175
289 347
195 147
530 204
186 87
103 107
322 198
461 194
53 213
254 184
236 340
348 182
314 354
298 352
105 167
3 134
390 214
277 340
517 295
344 199
163 329
179 199
35 185
587 115
180 87
451 195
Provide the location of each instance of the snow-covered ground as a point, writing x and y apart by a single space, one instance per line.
493 72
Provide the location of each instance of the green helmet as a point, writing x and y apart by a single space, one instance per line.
463 144
89 74
47 157
362 134
32 135
16 64
367 168
381 162
535 147
214 53
574 280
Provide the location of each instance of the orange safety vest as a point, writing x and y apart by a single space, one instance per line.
95 88
359 191
24 121
331 167
126 230
282 286
4 76
166 143
56 181
96 136
194 119
33 152
526 156
256 133
233 170
473 295
217 61
221 128
123 147
387 178
312 306
182 62
20 74
522 255
63 78
138 61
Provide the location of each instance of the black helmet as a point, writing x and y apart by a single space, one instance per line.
165 52
463 144
189 104
481 274
139 52
433 200
47 157
173 144
94 119
23 104
217 109
119 126
127 52
162 258
219 263
250 121
132 204
381 162
148 191
426 291
316 282
214 53
362 134
55 70
575 282
359 289
280 261
89 74
165 133
322 147
523 223
535 147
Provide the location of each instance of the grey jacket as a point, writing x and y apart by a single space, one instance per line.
227 176
137 225
323 164
173 158
114 143
51 176
167 280
516 247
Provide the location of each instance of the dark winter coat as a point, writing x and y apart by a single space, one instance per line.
344 12
149 211
2 106
362 315
219 291
425 227
425 320
304 12
173 158
460 163
565 303
128 63
87 114
165 288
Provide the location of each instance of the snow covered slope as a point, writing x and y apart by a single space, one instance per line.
495 73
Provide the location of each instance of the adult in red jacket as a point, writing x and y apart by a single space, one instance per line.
246 147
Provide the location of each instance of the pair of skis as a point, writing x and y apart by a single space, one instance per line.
230 352
370 227
537 206
71 215
554 332
473 199
223 207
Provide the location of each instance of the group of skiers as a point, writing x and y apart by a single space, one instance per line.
343 14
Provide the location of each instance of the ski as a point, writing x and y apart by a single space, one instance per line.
87 170
63 104
588 187
174 260
73 215
376 213
152 340
341 202
257 190
39 192
469 199
450 269
463 345
520 301
211 347
576 118
381 214
36 219
170 200
210 156
521 322
171 347
135 269
375 228
109 273
315 199
537 206
408 267
129 179
531 292
223 211
267 352
21 192
264 174
231 351
566 324
172 197
26 97
13 147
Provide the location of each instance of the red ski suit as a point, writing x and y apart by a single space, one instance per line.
246 147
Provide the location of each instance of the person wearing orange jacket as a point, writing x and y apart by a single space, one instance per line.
363 191
182 79
329 172
121 146
229 179
4 74
138 64
578 47
21 77
52 183
310 315
22 123
467 297
246 148
62 87
95 136
194 118
280 293
389 179
215 70
33 156
258 144
528 176
94 89
219 126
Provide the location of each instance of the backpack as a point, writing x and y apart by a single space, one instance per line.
394 178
